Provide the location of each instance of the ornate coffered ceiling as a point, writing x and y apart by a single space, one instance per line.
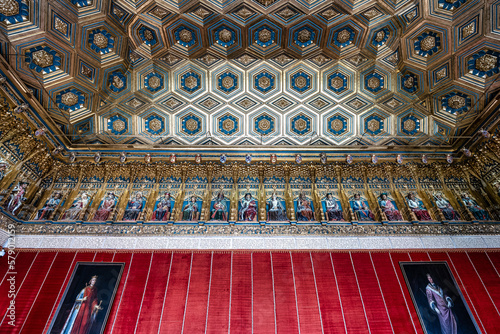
256 72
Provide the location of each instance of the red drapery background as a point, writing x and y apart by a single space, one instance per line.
244 292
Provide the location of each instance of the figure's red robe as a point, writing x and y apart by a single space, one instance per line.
83 320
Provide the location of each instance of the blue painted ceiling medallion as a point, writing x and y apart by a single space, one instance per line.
43 59
190 82
228 124
117 81
81 3
374 125
225 36
343 37
427 44
13 11
117 124
300 124
148 36
409 83
337 82
264 36
337 125
264 82
456 103
70 99
304 37
301 81
185 36
450 4
101 41
484 63
154 124
227 82
191 124
264 124
153 82
374 82
380 37
410 125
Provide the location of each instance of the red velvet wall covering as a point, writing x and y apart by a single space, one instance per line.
259 292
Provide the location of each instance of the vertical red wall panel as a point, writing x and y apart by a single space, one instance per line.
241 295
125 258
35 321
495 260
488 275
330 306
307 298
27 293
286 309
397 306
375 306
418 256
264 316
80 257
175 301
152 304
218 305
404 257
196 306
104 257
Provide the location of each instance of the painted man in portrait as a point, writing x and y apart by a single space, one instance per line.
441 304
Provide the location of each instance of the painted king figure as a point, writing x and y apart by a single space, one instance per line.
275 211
417 207
478 212
190 210
448 212
163 208
304 210
389 209
49 207
107 206
361 210
219 208
78 206
333 210
134 207
248 209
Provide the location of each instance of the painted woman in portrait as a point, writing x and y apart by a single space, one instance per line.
333 210
163 208
389 208
448 212
441 304
219 208
49 207
478 212
107 206
361 209
248 208
304 209
275 209
417 207
79 204
134 207
84 311
190 211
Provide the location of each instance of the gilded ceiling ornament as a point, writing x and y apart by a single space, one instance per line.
42 58
155 125
9 7
134 103
329 14
209 103
228 82
264 82
373 125
394 58
265 35
337 82
337 125
192 125
282 103
148 35
172 103
185 35
456 102
410 82
191 82
154 82
300 124
304 36
264 124
343 36
201 12
159 12
266 2
246 103
320 60
411 15
118 12
356 103
357 59
59 25
282 59
100 40
486 63
374 82
301 81
225 35
119 125
246 59
409 125
371 14
428 43
69 99
208 59
134 57
86 71
393 103
171 59
442 73
287 13
118 82
379 37
228 124
469 29
244 13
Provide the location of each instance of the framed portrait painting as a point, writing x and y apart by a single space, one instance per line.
437 298
87 299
